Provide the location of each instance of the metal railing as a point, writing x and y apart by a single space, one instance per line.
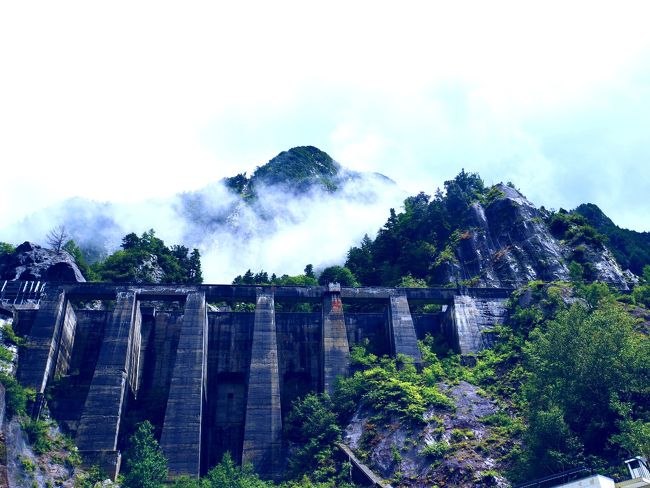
557 478
21 292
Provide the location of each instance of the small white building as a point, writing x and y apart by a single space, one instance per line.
596 481
639 473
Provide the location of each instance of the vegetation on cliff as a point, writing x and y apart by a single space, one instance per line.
146 259
414 241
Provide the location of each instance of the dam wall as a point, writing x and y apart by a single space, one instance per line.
211 381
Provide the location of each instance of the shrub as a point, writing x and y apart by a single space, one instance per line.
145 464
38 433
16 396
313 424
435 450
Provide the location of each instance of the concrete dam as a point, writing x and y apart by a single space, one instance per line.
213 381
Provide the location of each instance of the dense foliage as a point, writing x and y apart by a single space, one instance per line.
391 387
337 274
577 370
16 396
146 259
6 248
331 274
77 253
262 278
312 425
146 467
589 373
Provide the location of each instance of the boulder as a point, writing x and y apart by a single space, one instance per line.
32 262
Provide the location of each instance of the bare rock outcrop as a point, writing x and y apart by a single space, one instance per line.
508 243
32 262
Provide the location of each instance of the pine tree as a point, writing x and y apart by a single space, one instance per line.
146 465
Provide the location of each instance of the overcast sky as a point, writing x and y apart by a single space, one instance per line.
122 101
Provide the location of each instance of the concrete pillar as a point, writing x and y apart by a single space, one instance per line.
263 424
55 323
402 332
336 350
181 434
116 369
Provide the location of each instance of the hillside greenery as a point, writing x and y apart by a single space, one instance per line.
146 259
308 278
575 365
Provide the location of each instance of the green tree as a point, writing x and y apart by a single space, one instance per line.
312 424
337 274
227 474
146 259
75 251
146 467
6 248
588 372
361 262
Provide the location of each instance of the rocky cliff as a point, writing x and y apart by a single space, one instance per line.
509 242
33 262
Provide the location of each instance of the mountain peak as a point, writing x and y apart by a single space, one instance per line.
594 215
299 168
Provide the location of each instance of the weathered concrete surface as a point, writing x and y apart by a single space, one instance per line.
123 364
403 338
299 341
230 340
469 317
160 337
38 358
248 293
336 350
69 396
181 434
367 473
66 341
263 426
116 369
370 327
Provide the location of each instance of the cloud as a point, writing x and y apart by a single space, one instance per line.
278 232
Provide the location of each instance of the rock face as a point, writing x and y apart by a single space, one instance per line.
32 262
508 243
408 455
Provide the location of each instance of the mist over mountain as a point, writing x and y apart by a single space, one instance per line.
300 207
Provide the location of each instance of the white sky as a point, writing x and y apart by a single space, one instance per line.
123 101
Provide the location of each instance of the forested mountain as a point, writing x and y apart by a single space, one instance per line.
474 235
298 170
